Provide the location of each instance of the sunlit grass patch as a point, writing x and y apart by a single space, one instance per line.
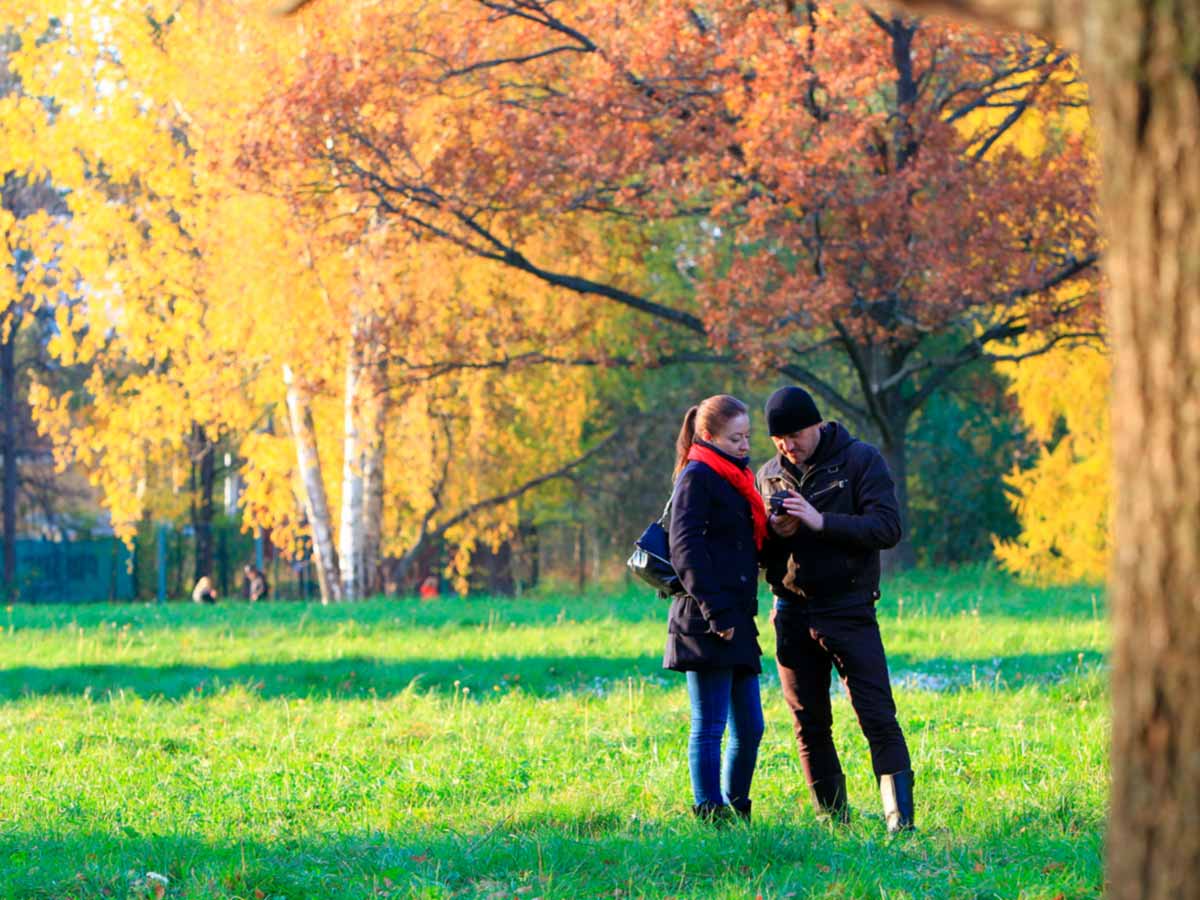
526 748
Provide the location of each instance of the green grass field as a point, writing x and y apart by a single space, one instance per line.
528 748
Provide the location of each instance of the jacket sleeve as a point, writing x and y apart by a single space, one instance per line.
875 524
689 548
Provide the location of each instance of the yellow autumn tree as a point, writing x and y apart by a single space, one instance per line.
347 366
1063 500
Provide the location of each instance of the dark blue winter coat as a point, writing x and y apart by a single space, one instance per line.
712 550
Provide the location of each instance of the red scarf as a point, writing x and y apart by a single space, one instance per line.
743 482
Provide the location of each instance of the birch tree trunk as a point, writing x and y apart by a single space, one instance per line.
376 405
351 537
316 506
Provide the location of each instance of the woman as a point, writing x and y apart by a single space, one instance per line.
717 525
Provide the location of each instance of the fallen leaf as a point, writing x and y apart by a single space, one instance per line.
979 867
1052 867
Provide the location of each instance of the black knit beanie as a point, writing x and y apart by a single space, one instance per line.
790 409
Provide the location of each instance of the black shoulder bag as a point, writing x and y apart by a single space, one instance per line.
651 557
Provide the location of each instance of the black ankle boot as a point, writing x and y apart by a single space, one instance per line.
897 793
829 798
741 809
717 813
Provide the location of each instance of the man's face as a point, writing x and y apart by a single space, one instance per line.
798 446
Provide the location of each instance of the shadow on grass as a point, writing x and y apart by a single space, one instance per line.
488 679
946 673
609 852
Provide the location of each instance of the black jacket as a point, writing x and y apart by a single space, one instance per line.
712 550
849 483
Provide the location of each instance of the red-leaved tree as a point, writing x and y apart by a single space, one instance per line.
842 193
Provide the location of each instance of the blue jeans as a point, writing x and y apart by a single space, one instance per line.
714 695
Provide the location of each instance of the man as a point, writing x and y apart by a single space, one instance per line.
256 583
834 509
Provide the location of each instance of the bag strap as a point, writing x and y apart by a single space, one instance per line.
665 518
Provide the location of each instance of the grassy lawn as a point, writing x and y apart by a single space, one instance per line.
528 748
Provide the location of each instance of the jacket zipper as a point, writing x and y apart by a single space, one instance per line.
792 484
811 472
826 490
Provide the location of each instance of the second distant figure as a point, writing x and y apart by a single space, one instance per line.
717 525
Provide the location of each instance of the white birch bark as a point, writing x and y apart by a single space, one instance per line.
316 505
351 536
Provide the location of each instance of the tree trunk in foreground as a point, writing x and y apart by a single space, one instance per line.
1144 74
1142 61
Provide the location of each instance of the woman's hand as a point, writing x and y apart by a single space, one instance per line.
784 526
726 635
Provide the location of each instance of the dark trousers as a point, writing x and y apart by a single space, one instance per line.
718 696
809 645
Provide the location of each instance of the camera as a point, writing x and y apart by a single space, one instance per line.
777 499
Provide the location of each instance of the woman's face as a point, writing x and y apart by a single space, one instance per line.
733 437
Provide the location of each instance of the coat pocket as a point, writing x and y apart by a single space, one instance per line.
692 625
686 616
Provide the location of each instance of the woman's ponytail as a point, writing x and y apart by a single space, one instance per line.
687 435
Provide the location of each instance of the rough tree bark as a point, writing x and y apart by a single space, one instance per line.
9 325
1144 68
204 476
1142 61
316 505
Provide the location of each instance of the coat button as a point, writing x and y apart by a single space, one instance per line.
744 579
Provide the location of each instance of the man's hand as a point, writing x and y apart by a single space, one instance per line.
803 511
726 635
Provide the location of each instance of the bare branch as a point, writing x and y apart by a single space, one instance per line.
432 370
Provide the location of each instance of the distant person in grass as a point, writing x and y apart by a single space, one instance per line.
834 509
717 524
204 592
256 583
